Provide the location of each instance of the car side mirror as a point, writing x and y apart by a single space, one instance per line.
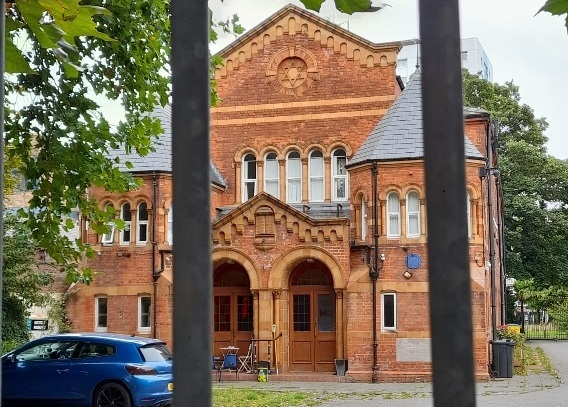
12 358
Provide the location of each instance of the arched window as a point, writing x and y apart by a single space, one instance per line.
171 225
271 175
339 175
393 215
108 237
364 224
126 217
294 177
249 177
142 223
316 171
468 206
412 215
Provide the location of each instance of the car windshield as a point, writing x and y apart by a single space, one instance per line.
156 353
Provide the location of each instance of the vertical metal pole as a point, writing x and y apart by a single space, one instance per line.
375 270
2 55
448 263
191 190
491 231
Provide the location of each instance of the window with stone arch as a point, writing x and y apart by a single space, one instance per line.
293 177
412 214
271 175
364 218
142 223
249 177
108 237
338 175
393 215
126 217
468 211
171 225
316 170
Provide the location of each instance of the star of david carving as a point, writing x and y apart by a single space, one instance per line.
293 72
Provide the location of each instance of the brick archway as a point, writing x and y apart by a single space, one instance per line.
283 266
221 255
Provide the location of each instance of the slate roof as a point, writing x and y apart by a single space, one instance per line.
319 210
398 135
159 160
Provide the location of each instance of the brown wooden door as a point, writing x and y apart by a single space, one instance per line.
232 319
312 329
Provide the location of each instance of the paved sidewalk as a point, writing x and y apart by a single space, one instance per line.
497 392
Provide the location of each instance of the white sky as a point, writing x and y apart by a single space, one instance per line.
530 50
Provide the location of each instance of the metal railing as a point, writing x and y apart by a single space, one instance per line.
450 304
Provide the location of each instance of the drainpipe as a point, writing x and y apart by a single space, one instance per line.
490 137
503 270
155 273
374 272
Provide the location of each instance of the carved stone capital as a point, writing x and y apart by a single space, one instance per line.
276 294
339 293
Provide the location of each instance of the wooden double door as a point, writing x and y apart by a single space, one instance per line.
312 329
232 319
232 309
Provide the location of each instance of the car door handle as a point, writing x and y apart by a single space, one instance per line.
62 371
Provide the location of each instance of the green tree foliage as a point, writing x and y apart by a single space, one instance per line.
535 185
22 283
556 8
72 51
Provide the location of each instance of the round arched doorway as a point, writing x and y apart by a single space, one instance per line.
312 318
232 308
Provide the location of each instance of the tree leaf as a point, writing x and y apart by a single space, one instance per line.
15 62
345 6
354 6
555 7
314 5
75 20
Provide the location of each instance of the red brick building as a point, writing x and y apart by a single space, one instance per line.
307 111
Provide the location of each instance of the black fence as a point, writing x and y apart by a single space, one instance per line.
544 323
450 305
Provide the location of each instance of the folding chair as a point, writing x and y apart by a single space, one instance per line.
230 362
246 361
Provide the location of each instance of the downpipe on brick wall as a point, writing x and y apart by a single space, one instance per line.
376 265
155 273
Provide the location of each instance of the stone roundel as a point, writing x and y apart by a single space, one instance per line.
292 70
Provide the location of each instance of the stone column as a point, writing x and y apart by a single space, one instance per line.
339 323
327 178
382 217
282 179
423 217
275 357
260 176
476 217
403 218
238 183
305 180
255 320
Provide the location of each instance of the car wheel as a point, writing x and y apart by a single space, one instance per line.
112 395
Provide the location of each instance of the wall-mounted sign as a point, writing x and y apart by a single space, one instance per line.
38 324
413 261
